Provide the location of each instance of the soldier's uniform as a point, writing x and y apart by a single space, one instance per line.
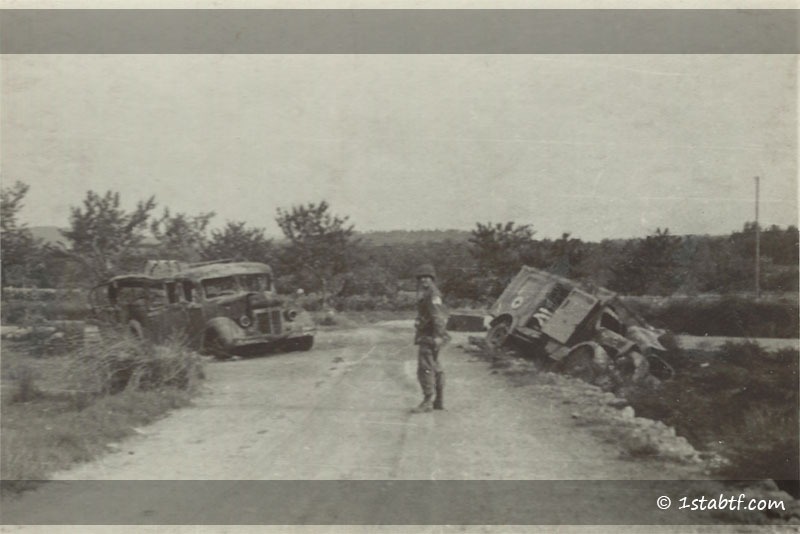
431 335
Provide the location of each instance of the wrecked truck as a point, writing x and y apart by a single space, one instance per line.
585 331
221 308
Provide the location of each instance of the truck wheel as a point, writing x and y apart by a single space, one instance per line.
302 343
497 336
634 367
214 346
579 363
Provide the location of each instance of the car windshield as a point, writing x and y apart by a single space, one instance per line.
255 282
215 287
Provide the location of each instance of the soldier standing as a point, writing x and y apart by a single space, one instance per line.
431 335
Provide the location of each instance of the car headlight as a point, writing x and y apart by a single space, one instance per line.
290 315
245 321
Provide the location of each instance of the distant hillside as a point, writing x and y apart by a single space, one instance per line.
410 237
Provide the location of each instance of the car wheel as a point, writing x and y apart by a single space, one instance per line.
214 346
497 336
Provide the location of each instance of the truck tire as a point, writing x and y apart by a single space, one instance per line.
579 363
497 336
213 345
305 343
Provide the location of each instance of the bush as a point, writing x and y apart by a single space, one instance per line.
123 362
34 311
730 316
42 295
59 411
373 303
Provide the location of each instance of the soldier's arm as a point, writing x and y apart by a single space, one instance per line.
439 318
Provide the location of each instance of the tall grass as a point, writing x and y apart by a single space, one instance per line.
60 410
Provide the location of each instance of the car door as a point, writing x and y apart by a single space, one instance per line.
566 318
175 316
193 308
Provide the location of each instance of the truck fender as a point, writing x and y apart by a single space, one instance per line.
225 328
599 355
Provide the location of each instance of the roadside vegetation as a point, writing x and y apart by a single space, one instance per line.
739 401
730 316
67 407
323 253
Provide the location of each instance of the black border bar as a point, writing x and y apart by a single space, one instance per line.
349 502
399 31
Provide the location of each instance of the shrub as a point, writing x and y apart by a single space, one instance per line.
374 303
730 316
122 362
31 312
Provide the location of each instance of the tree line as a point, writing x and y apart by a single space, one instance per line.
321 252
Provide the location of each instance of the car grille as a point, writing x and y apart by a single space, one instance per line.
269 322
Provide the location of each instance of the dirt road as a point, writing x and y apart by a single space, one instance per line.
341 412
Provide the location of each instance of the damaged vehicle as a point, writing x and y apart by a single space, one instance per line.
220 308
587 332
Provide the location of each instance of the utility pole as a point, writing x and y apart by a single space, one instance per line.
758 246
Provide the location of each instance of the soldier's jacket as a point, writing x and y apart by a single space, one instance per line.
431 317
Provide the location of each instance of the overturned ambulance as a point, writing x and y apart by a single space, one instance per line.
587 331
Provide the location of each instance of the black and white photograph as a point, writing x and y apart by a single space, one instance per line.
356 268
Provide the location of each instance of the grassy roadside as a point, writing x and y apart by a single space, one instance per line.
739 401
61 410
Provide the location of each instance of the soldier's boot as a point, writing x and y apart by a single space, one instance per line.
438 402
425 406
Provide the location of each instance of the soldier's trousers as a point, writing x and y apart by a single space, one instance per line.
429 370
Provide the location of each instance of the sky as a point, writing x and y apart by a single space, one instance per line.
600 146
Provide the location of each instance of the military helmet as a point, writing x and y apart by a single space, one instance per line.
426 269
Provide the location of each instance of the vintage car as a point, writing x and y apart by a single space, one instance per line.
221 308
588 331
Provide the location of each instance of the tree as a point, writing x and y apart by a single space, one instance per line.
568 254
320 245
181 236
21 253
238 242
104 237
649 266
500 250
